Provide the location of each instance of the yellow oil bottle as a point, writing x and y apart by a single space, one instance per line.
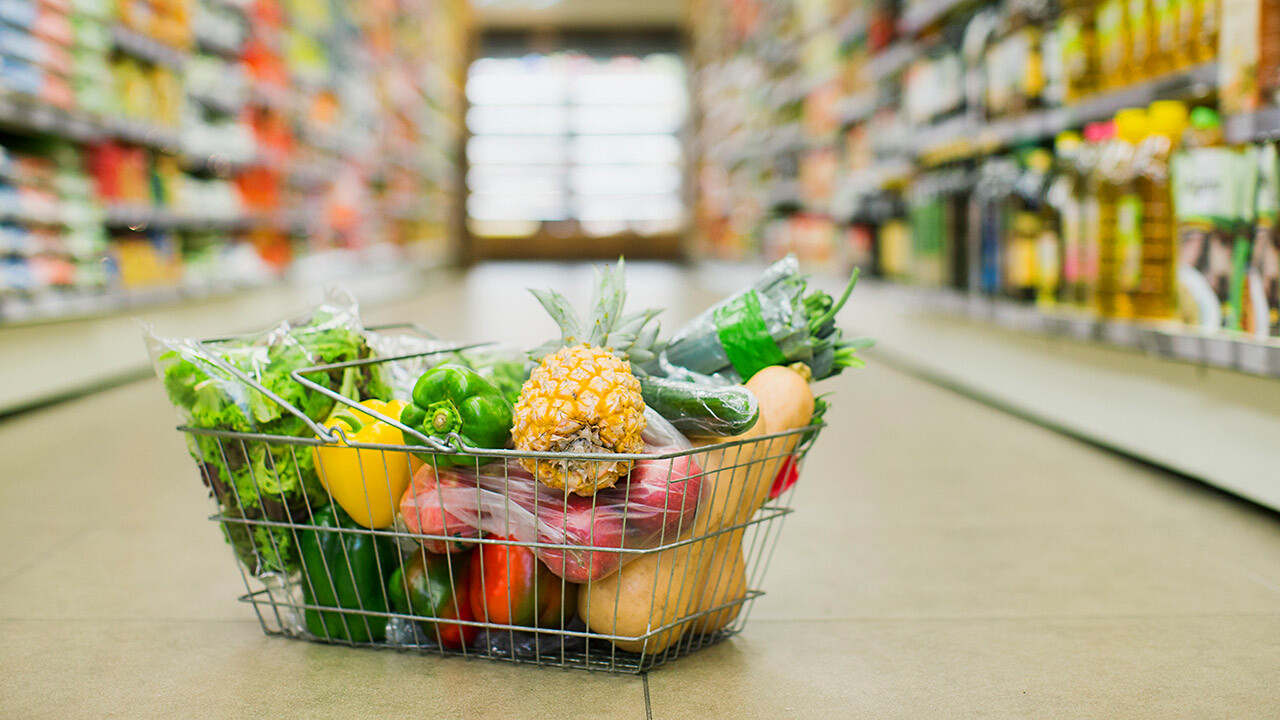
1203 37
1077 37
1113 44
1141 30
1153 291
1120 246
1169 52
1099 209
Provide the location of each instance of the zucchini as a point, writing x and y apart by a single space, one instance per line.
701 410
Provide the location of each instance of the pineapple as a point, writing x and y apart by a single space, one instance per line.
583 397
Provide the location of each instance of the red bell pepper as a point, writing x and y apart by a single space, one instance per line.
509 586
787 476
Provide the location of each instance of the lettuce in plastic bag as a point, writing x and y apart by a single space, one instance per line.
252 479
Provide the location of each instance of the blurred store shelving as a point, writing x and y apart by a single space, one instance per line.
868 133
155 151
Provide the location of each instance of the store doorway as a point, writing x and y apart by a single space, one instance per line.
576 152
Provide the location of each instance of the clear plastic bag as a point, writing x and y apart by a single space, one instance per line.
205 381
655 505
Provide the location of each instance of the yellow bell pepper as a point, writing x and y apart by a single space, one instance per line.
366 483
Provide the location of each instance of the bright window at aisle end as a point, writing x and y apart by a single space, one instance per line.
586 144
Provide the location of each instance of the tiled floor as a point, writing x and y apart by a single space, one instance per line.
945 560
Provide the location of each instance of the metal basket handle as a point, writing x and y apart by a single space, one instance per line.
315 427
327 436
242 377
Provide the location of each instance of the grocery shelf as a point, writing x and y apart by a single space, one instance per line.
216 104
17 311
853 26
138 217
1197 419
891 60
1165 340
74 343
1260 125
859 106
919 15
962 137
878 175
45 120
144 134
216 45
132 42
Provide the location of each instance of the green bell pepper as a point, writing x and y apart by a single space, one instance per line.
436 586
454 399
345 570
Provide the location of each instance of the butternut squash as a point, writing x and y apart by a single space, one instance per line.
786 403
661 588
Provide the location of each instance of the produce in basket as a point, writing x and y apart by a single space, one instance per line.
583 397
510 587
701 409
656 502
662 588
206 381
505 367
423 511
436 586
344 571
453 400
771 323
366 483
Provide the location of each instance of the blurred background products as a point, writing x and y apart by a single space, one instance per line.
1104 158
206 145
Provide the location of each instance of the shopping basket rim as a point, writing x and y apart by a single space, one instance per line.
468 451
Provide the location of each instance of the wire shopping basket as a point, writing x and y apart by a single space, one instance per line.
448 549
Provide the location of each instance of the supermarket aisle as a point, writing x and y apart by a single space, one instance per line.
944 559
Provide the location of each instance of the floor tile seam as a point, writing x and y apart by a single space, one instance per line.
1013 618
133 620
1222 559
46 556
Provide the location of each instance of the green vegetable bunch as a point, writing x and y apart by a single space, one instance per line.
777 321
256 480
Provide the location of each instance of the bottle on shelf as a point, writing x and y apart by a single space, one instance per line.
1038 181
1208 180
1065 195
1113 44
1153 292
992 193
1265 276
1077 38
1203 37
1020 241
1099 208
1141 31
1120 249
1261 313
1169 52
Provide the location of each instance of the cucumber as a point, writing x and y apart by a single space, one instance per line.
701 410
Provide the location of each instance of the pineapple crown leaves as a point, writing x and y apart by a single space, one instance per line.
632 337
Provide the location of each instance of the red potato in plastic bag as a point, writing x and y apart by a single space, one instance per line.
422 512
658 500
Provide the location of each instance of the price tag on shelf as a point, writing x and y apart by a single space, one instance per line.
1082 328
1006 316
1120 333
1148 340
1187 347
1255 358
1220 353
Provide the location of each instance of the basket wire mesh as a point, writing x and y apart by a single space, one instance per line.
692 600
